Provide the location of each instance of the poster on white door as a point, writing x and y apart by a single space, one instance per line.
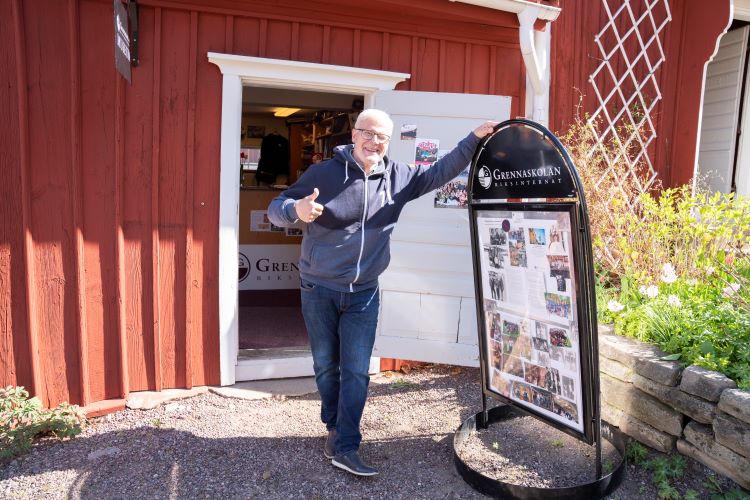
268 267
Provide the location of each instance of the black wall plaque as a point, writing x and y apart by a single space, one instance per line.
122 40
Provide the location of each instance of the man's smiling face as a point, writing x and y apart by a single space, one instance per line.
369 152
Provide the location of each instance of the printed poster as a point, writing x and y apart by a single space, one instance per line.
453 194
533 348
426 151
408 132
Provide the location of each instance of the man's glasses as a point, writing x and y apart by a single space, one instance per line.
370 135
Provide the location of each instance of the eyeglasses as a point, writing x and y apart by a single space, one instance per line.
370 135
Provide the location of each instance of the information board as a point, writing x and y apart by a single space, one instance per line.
533 275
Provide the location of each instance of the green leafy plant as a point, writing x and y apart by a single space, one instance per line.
636 453
718 493
557 443
691 495
665 471
22 419
401 384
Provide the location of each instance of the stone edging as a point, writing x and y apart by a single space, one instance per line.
699 412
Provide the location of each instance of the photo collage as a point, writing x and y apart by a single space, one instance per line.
529 307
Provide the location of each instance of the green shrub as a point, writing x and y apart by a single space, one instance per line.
636 453
22 419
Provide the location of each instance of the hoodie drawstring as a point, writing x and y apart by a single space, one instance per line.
346 171
388 185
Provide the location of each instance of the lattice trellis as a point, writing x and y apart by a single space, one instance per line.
627 92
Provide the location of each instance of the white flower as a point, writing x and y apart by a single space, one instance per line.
674 300
668 273
731 289
652 291
710 270
615 306
642 289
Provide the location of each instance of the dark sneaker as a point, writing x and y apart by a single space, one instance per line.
329 449
350 462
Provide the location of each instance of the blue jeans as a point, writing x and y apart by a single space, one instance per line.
341 327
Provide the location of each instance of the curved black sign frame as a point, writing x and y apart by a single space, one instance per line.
525 197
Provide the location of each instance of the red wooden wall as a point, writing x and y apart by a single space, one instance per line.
109 192
688 42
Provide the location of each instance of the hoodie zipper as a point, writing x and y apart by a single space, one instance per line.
362 229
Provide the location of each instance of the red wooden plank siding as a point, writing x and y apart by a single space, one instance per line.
155 254
703 22
99 112
15 359
173 155
205 313
136 200
51 230
189 203
76 177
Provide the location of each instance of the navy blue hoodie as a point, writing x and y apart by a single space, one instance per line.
348 246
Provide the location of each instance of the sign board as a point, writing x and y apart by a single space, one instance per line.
122 40
268 267
533 276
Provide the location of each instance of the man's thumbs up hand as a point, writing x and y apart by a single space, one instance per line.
307 209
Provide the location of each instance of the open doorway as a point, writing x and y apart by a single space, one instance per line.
283 132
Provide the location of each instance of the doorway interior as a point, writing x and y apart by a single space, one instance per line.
283 132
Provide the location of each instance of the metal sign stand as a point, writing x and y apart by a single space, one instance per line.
523 190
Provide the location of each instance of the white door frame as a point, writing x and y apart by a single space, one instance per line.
260 72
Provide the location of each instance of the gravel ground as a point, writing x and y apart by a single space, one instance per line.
215 447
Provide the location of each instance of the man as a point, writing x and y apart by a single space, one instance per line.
350 205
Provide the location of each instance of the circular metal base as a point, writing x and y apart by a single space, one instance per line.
499 489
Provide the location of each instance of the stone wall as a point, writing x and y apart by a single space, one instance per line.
698 412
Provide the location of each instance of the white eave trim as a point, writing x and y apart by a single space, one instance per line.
742 10
278 73
545 12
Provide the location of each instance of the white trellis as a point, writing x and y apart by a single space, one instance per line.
626 88
627 92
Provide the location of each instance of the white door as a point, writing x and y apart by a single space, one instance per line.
720 117
427 310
